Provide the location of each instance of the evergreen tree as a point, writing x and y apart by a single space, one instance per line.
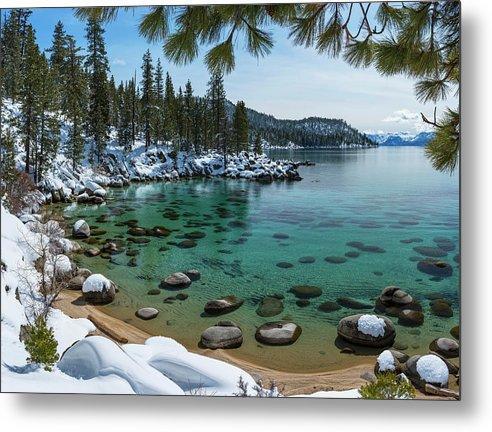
158 119
216 104
147 98
97 66
257 147
58 55
7 160
179 109
188 110
113 102
125 111
48 133
240 127
13 44
74 95
170 128
30 91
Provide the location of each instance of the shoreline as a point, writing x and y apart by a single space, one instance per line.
289 383
292 383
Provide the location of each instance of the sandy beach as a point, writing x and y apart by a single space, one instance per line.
291 384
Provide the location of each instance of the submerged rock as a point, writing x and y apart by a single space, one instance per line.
223 305
306 291
435 268
441 308
278 333
270 306
329 306
307 260
284 265
352 303
176 280
335 259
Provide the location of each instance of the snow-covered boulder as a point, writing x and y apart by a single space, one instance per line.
427 369
98 289
100 193
97 357
59 266
81 229
369 330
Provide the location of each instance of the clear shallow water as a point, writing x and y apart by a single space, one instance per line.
376 196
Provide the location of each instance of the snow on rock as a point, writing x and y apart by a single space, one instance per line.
59 265
432 369
96 283
98 356
371 325
386 361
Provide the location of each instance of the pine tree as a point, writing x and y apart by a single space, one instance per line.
179 110
13 44
240 127
257 147
29 93
58 55
216 101
113 102
170 128
48 133
188 107
74 93
7 160
147 98
158 119
125 111
97 66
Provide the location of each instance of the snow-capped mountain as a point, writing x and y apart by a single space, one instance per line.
401 138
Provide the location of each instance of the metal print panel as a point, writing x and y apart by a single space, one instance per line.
232 200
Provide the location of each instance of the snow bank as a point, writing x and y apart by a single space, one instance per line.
386 361
97 356
333 394
432 369
371 325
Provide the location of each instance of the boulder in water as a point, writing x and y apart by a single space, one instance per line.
278 333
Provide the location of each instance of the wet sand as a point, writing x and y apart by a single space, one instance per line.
290 384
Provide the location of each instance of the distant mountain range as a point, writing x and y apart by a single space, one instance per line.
308 132
402 138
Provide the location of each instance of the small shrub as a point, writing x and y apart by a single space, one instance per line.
41 344
14 189
388 386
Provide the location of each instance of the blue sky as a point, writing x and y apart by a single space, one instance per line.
292 82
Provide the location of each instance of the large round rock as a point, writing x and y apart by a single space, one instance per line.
81 229
367 330
98 289
446 347
223 305
222 336
427 369
147 313
278 333
177 281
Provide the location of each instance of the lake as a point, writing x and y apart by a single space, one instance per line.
377 197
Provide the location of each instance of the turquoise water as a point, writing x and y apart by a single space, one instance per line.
376 196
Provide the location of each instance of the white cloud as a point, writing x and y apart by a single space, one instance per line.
119 62
408 119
